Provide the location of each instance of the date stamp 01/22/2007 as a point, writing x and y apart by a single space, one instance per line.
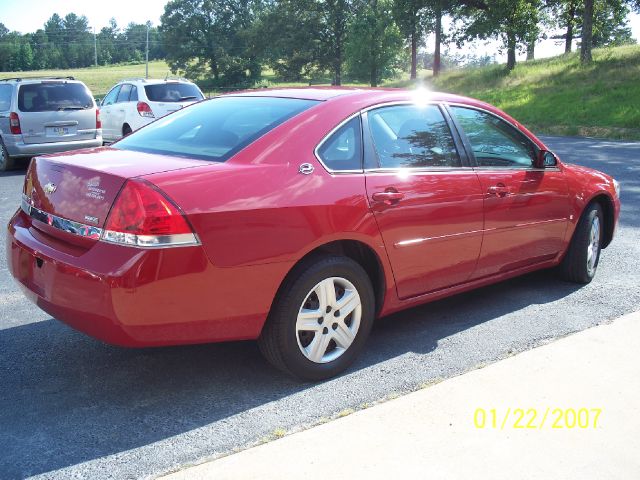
537 419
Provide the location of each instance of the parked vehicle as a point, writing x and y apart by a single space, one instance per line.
136 102
45 115
296 217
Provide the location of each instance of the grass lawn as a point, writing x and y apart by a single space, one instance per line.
100 79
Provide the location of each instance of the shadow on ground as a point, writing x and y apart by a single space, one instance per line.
70 399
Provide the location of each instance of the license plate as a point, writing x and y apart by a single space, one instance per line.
60 131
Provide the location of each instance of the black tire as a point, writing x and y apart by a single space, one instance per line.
279 339
126 130
6 162
575 266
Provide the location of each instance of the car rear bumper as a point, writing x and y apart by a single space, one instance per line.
17 148
133 297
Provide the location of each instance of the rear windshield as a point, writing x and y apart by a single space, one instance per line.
52 96
173 92
215 129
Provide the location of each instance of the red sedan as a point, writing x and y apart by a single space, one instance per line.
296 217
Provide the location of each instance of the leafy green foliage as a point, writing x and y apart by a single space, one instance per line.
374 42
211 34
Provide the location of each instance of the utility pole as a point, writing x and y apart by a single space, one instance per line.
95 47
147 54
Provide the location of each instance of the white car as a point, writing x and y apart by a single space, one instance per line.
136 102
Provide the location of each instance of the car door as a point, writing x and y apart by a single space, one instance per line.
526 208
107 112
425 196
120 109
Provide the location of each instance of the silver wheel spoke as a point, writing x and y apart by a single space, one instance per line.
308 320
326 292
343 335
348 303
318 347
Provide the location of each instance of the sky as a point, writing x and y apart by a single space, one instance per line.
29 15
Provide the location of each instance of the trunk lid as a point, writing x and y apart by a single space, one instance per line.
82 186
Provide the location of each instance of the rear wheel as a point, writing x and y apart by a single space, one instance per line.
581 260
6 162
126 130
321 319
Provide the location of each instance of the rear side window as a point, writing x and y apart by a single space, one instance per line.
343 149
216 129
125 91
5 97
172 92
52 96
412 136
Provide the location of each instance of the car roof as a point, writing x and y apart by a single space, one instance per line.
30 80
154 81
359 95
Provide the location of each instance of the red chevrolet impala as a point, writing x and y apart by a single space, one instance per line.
296 217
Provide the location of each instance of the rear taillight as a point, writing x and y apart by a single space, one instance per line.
145 110
14 123
142 216
98 119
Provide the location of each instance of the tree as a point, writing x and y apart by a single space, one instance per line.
437 10
211 35
335 16
514 22
287 38
587 32
410 18
374 42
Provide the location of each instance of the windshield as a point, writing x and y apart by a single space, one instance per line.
172 92
215 129
52 96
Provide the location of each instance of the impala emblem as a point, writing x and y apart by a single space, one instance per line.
50 188
306 169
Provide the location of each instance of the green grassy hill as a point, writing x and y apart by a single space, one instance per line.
559 96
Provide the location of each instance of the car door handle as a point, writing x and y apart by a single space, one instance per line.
389 197
499 190
121 110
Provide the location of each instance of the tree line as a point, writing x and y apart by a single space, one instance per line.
69 42
227 43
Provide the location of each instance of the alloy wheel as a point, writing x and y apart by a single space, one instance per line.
328 320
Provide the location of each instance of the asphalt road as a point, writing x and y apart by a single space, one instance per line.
72 407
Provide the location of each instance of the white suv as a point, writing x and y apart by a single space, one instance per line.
133 103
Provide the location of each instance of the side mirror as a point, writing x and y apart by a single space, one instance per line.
546 159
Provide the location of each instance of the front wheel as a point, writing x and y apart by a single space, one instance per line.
321 319
581 260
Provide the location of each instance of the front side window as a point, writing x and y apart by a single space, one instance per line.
110 98
215 129
343 149
52 96
412 136
494 142
173 92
